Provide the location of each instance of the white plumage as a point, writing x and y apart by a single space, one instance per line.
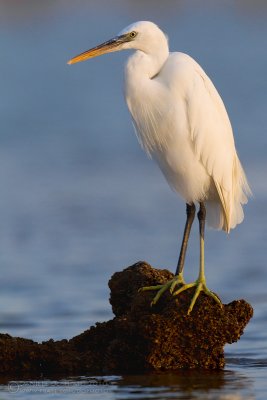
181 123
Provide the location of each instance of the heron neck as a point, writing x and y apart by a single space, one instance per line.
143 65
144 95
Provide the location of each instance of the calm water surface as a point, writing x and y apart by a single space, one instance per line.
79 200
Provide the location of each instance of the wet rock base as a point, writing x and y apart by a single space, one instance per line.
139 339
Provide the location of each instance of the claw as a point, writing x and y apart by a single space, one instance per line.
177 280
200 287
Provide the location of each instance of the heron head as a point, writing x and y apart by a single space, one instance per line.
142 35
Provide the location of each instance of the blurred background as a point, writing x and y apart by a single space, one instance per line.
79 199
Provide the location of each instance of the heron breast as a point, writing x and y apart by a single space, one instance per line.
183 171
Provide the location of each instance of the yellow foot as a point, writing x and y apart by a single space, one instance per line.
201 286
177 280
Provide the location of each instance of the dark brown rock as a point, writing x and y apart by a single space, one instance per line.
140 338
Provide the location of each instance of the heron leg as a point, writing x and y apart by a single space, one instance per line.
190 215
178 279
200 283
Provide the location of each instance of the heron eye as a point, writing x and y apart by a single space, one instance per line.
133 34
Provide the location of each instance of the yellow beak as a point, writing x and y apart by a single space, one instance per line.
106 47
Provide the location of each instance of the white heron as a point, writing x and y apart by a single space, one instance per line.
181 123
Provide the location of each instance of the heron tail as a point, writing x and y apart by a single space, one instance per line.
228 212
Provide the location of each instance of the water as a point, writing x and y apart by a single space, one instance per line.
79 200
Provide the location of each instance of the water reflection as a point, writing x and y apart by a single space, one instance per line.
184 384
24 10
16 11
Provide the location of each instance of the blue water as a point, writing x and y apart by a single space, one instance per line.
79 199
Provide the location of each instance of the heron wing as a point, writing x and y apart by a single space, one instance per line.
211 133
212 138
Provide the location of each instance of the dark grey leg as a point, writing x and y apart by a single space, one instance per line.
190 215
201 218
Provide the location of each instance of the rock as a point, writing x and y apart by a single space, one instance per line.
140 338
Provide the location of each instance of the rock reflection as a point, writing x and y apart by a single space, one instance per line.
185 385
